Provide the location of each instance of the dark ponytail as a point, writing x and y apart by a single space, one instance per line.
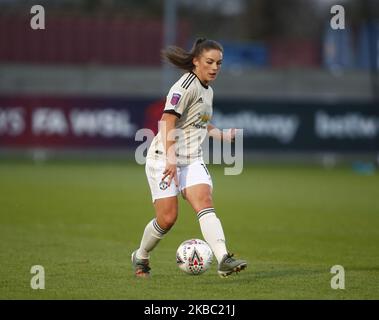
183 59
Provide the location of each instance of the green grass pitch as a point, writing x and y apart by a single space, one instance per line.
81 221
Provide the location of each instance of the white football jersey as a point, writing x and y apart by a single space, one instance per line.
191 101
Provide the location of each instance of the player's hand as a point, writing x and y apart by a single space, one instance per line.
230 135
171 172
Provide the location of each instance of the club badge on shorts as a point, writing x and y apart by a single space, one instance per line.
163 185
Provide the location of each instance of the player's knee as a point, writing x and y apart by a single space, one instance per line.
204 201
168 220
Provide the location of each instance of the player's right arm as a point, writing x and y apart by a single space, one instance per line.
179 98
167 129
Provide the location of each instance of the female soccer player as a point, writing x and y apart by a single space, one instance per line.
174 161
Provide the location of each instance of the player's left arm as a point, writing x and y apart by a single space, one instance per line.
215 133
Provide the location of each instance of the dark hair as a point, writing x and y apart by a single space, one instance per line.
183 59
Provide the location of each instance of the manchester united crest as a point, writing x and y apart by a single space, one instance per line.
163 185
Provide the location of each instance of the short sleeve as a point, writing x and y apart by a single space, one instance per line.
178 99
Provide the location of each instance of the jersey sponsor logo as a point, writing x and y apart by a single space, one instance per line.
175 99
203 119
198 126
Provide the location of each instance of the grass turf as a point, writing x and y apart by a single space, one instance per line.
81 221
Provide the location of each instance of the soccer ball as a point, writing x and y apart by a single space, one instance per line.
194 256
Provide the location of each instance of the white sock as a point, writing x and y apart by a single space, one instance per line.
151 236
212 231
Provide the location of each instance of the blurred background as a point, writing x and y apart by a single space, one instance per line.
300 90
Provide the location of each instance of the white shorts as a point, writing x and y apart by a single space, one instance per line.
188 175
